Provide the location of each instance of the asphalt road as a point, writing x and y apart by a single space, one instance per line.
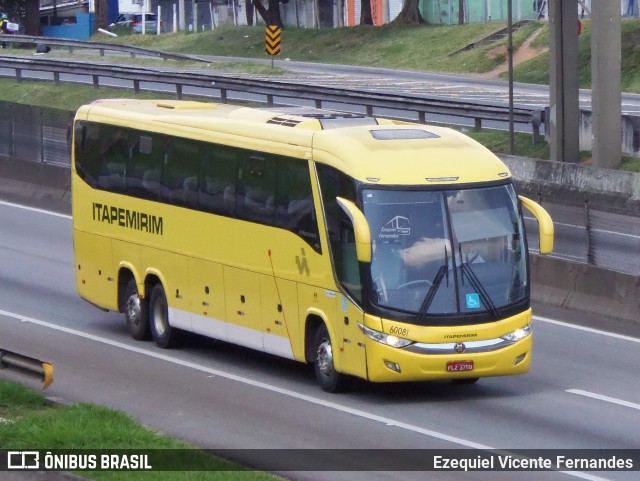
580 393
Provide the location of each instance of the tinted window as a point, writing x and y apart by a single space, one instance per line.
334 183
182 161
144 169
295 210
217 192
259 187
256 187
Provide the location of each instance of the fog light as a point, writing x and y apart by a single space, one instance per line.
394 366
519 359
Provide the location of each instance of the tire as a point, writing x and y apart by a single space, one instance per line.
136 312
328 378
163 334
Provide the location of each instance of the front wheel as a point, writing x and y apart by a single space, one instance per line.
163 334
328 378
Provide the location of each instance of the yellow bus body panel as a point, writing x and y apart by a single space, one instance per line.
257 285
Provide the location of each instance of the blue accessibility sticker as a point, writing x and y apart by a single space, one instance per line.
473 301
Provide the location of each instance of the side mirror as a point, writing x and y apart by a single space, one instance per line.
360 229
545 224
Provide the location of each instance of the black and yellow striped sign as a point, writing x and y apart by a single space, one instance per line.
274 36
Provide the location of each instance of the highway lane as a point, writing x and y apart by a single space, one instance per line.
580 393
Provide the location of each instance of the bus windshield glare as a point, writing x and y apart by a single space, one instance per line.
435 253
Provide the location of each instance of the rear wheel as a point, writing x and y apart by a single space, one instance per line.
136 312
328 378
163 334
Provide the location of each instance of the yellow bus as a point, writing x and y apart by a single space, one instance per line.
372 248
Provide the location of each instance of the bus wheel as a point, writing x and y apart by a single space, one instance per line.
329 379
136 313
163 334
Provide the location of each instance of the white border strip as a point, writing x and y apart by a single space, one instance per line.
34 209
601 397
587 329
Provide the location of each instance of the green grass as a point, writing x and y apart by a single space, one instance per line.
406 47
82 426
536 70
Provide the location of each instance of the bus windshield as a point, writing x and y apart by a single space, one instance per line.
445 253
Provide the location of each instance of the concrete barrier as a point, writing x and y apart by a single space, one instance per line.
40 184
584 287
574 184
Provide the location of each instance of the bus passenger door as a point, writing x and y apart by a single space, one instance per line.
207 299
352 345
280 327
242 299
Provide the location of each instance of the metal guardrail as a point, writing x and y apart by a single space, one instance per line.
28 366
102 47
421 104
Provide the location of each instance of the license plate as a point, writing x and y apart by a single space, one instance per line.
459 366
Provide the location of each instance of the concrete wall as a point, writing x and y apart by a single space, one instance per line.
573 184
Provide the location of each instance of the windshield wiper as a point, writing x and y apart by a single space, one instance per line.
477 285
437 280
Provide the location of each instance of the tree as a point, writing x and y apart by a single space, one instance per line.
100 15
270 15
249 12
460 12
366 18
410 13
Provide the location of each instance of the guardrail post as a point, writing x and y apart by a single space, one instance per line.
536 120
136 86
95 81
70 49
477 124
12 140
318 103
41 134
179 91
18 75
56 78
223 96
102 52
590 256
369 110
422 117
269 100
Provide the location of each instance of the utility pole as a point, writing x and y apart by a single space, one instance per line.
510 64
563 54
606 51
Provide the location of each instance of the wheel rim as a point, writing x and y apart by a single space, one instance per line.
160 317
324 358
134 310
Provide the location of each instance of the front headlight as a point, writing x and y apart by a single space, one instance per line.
382 338
518 334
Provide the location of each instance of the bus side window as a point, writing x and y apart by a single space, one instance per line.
295 210
144 168
87 151
219 174
256 188
114 152
180 174
334 183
